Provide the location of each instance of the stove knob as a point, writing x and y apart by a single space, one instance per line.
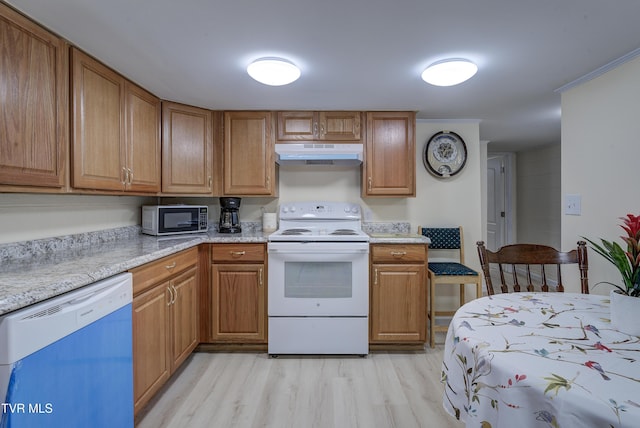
354 210
285 209
292 209
346 209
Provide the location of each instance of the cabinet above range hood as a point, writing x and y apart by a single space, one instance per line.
319 154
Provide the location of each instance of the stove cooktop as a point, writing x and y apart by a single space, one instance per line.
320 221
299 234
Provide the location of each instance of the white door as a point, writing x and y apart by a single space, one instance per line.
496 209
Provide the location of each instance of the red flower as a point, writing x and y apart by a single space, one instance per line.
627 262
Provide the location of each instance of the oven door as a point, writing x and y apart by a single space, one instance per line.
318 279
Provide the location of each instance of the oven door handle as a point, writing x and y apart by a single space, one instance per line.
316 251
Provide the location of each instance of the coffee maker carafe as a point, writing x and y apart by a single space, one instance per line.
229 217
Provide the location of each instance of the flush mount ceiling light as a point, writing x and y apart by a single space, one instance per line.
273 71
449 72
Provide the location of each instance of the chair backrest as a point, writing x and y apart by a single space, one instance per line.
444 238
519 256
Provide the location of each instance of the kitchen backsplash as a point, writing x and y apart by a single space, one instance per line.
386 227
24 249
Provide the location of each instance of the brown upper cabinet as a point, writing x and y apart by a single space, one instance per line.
248 152
336 126
34 130
187 149
390 155
116 130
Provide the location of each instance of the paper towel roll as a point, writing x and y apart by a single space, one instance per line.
269 222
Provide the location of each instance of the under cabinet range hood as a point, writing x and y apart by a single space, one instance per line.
318 154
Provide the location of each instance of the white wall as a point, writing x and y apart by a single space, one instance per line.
29 216
538 196
600 161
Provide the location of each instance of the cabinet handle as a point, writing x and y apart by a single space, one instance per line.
398 253
322 131
268 181
315 128
260 279
375 277
124 176
175 293
210 181
237 253
130 176
369 183
171 266
170 302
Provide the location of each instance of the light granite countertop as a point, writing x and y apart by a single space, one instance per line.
397 238
34 271
32 279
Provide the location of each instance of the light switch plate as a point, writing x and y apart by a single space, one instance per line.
572 204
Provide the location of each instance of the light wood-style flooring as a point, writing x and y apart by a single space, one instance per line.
252 390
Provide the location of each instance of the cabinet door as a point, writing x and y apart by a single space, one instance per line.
296 126
398 303
339 126
151 363
142 127
35 98
187 145
184 313
238 303
98 140
389 166
249 166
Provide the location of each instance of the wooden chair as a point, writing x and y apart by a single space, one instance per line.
447 273
520 258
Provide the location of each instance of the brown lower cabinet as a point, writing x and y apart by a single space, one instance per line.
398 294
172 314
238 293
165 320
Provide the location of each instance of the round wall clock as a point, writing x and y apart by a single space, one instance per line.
445 154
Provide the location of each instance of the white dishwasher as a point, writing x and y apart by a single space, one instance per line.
67 362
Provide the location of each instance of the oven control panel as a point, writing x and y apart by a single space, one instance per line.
320 210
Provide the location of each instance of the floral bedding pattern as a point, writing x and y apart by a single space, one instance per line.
540 360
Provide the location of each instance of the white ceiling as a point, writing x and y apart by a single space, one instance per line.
359 54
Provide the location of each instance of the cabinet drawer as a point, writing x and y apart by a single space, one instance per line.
398 253
152 273
237 253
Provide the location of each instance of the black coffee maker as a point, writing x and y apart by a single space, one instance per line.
229 217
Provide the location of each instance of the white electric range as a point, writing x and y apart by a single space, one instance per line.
319 280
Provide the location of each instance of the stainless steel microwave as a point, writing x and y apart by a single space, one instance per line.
174 219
